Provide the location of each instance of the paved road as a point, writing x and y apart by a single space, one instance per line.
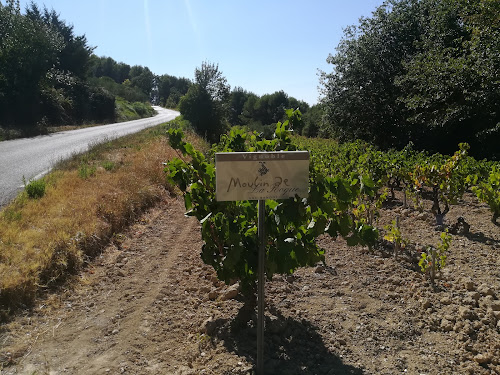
33 157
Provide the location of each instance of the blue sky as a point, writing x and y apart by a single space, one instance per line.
262 46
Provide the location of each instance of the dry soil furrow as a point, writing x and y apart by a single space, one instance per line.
105 322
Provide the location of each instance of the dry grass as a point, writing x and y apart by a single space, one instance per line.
88 201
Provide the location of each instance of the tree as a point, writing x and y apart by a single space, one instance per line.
28 50
142 78
451 86
75 55
43 67
424 71
171 89
198 108
248 114
360 97
237 101
300 104
312 121
206 103
270 108
108 67
211 80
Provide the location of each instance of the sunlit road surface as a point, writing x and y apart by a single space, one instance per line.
31 158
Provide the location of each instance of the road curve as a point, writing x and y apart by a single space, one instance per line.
31 158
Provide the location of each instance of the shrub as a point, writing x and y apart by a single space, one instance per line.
108 165
85 171
35 189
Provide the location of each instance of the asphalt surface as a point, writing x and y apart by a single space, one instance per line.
31 158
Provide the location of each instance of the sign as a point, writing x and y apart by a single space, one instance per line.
261 175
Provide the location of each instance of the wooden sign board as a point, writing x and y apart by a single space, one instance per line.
261 175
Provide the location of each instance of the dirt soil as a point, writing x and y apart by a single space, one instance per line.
148 305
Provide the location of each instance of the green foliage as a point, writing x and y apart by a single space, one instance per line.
142 109
395 236
124 90
126 111
360 98
66 99
421 71
171 89
412 171
295 119
444 178
262 113
205 104
35 189
488 191
434 258
313 119
108 165
237 101
28 49
75 55
43 67
142 78
450 87
211 80
107 67
229 229
86 171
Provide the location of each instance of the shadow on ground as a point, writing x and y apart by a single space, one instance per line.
290 346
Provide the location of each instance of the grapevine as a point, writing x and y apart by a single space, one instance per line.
229 229
488 191
395 236
434 258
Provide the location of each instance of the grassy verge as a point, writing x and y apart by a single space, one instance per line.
126 111
87 201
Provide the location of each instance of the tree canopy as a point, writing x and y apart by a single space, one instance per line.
43 67
171 89
206 103
424 71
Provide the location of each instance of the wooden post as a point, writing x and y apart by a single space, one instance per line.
260 289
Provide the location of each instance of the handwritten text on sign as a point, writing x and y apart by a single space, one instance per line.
261 175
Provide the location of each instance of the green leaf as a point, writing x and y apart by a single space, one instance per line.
352 241
187 201
345 225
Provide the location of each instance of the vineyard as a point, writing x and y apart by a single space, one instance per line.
349 183
389 266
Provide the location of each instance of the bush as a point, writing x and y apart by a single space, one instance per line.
126 111
102 105
35 189
143 109
85 171
69 100
124 90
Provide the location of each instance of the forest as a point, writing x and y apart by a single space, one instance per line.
419 71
